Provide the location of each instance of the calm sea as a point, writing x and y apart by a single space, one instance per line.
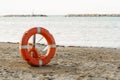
68 31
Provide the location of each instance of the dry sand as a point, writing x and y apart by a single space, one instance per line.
69 63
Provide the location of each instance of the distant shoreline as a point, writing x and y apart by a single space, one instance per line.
33 15
92 15
68 15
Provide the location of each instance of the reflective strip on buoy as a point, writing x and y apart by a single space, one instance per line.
52 46
40 62
24 47
38 30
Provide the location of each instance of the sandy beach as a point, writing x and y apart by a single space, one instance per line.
69 63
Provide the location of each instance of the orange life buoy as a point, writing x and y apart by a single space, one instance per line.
37 59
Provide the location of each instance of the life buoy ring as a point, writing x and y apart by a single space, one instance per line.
37 59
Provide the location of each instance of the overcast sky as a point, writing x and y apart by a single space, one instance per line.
57 7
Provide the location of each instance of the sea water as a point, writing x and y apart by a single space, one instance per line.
67 31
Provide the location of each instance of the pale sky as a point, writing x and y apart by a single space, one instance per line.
59 7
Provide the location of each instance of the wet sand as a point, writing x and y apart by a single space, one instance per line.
69 63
